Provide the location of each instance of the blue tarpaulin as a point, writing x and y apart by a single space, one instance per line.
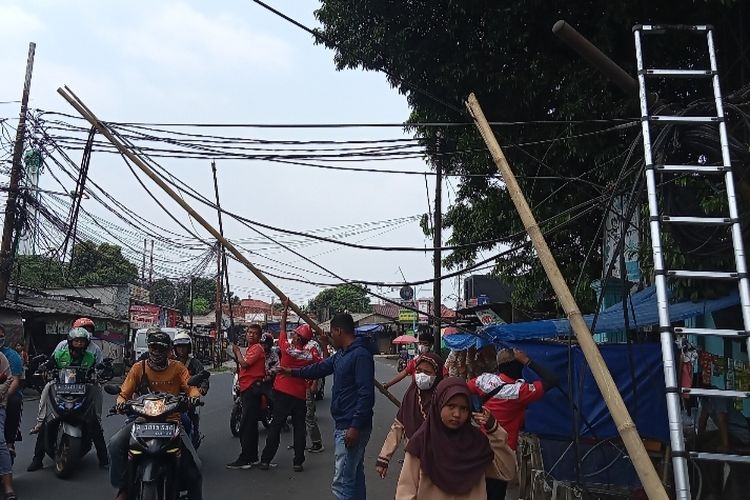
368 329
641 312
641 383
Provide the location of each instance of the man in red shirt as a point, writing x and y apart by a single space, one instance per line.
289 393
507 396
251 371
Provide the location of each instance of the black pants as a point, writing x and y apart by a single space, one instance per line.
249 425
496 489
283 406
97 437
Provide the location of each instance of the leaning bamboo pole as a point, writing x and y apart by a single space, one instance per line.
625 426
89 115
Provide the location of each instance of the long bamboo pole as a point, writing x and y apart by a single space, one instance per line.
625 426
89 115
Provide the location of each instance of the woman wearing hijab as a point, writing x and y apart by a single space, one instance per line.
448 457
428 372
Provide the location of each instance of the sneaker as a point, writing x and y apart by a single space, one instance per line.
239 464
297 468
255 462
264 466
35 465
315 448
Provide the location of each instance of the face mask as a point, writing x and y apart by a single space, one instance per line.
424 381
423 349
157 360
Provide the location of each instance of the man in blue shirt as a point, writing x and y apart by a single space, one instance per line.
14 403
352 400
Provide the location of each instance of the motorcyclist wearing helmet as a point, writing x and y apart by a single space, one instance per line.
72 352
272 358
158 373
289 393
183 345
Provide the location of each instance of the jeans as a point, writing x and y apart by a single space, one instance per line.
311 422
6 466
190 471
496 488
249 425
349 467
283 406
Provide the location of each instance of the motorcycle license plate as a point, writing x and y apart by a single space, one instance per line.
159 430
73 389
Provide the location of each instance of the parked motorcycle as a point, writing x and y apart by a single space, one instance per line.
235 417
67 430
155 444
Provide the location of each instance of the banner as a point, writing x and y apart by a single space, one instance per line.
144 315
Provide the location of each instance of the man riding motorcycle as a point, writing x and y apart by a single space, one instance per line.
183 345
72 353
157 373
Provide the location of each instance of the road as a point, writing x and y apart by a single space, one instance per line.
220 447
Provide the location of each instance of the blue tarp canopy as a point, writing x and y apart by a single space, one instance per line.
368 329
641 312
637 371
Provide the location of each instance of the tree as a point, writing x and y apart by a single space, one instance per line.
201 306
506 54
176 293
342 298
90 265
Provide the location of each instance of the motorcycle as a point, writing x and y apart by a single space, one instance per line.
235 417
155 444
71 415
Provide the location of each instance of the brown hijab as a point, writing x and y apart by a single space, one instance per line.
455 460
416 403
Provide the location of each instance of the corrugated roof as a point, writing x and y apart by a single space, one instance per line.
50 305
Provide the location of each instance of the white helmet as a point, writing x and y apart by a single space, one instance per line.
182 338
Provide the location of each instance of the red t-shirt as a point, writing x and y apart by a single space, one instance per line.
255 357
509 405
293 357
411 367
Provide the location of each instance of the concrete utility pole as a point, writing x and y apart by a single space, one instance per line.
6 250
437 242
219 295
611 395
224 266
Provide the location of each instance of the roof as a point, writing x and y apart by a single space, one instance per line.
255 304
446 312
55 305
358 318
387 310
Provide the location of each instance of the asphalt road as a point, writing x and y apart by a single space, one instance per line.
220 447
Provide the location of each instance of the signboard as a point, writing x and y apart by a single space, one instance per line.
407 316
488 317
144 315
613 232
425 308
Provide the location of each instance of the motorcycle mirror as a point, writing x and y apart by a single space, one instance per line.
112 389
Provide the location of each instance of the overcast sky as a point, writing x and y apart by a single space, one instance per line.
227 61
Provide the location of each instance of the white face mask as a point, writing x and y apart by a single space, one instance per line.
423 348
424 381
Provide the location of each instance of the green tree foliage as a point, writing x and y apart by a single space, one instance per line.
176 293
90 265
436 52
343 298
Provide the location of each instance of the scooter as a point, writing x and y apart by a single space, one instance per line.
235 417
67 430
155 446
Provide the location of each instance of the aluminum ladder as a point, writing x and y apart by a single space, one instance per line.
667 332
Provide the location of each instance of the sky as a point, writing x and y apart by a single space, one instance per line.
228 62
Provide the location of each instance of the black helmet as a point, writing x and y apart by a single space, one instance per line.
267 340
157 336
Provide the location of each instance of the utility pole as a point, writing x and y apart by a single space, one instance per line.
437 242
151 266
143 262
219 294
191 305
223 254
6 251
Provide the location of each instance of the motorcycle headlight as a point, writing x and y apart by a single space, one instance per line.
155 407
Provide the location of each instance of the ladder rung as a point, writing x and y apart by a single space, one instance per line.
721 457
715 392
656 29
711 221
683 119
717 169
717 275
720 332
679 73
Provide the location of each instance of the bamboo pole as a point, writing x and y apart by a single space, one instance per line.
625 426
89 115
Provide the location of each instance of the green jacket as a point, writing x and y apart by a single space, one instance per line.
64 359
